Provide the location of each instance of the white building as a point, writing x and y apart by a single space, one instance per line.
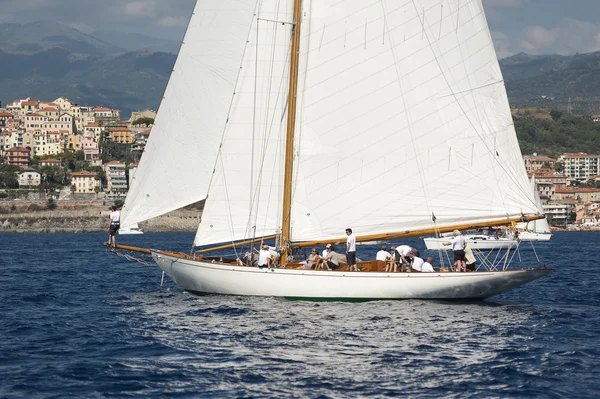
29 178
580 166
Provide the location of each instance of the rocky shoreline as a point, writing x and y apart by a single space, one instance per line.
84 217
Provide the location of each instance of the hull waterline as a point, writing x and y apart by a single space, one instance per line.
213 278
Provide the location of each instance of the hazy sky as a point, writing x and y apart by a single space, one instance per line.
532 26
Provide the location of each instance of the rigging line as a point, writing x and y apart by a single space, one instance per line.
407 111
266 118
282 81
228 202
235 86
510 175
300 118
255 200
250 182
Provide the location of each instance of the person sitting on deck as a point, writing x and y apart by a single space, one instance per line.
417 262
391 262
331 260
310 261
264 257
383 254
427 267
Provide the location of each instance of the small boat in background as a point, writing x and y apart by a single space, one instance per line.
134 229
474 241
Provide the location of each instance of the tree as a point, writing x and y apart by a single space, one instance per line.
559 167
51 204
555 114
143 121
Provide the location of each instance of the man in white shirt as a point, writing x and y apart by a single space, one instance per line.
113 226
383 254
351 250
458 247
264 257
427 268
404 251
417 263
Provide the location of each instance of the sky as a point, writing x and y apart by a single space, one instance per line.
532 26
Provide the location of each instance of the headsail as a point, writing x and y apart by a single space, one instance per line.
246 191
403 117
179 158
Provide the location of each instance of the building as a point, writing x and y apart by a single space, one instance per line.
548 181
558 212
91 151
86 183
93 130
4 118
18 156
120 135
34 121
63 103
73 142
29 178
147 113
580 166
116 179
579 194
141 138
50 162
535 162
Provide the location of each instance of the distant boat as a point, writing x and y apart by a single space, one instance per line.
474 241
134 229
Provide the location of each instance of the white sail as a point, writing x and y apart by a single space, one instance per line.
540 226
245 194
179 158
403 115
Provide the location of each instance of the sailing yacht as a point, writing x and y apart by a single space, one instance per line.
298 119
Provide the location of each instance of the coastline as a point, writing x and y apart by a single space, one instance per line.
83 217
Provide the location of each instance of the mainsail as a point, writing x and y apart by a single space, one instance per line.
404 116
179 158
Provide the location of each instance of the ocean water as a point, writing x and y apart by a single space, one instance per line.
78 321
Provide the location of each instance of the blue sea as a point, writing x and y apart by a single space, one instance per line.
77 321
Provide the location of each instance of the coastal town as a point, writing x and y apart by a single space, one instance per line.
59 150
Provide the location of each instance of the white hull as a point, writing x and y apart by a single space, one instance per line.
474 243
532 236
205 277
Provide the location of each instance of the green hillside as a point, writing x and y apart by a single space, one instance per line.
553 133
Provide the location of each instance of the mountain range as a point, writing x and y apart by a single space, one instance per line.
45 60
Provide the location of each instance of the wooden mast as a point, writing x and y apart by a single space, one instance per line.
289 142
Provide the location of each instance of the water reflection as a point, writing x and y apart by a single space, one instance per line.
334 348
